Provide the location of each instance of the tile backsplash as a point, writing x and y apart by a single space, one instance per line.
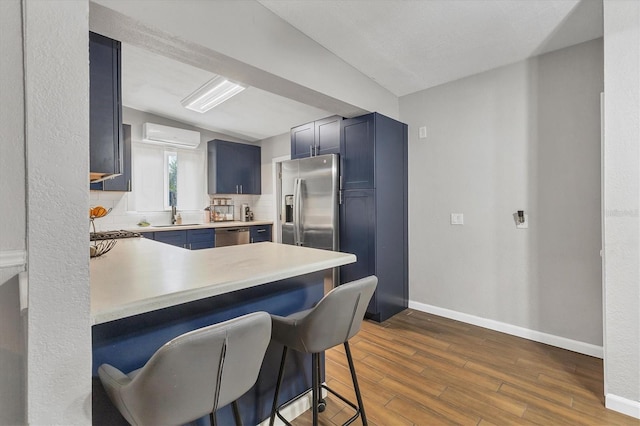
123 218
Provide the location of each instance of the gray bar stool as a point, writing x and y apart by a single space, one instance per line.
192 375
333 321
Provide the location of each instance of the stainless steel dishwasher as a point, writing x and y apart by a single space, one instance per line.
232 236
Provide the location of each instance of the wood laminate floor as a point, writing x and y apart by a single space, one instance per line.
421 369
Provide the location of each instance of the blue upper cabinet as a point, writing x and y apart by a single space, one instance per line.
234 168
121 182
105 106
358 151
316 138
302 141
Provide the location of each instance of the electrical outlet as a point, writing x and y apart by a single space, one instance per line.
457 218
422 132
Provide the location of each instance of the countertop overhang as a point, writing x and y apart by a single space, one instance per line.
140 275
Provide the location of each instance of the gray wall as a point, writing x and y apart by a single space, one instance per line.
622 205
521 137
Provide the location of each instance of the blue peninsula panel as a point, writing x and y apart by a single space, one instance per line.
128 343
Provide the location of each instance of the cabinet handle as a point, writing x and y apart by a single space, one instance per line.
252 240
129 185
241 189
310 150
237 189
261 230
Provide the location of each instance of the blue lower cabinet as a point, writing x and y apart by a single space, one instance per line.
175 238
260 233
193 239
200 239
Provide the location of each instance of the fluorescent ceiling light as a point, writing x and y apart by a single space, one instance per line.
212 93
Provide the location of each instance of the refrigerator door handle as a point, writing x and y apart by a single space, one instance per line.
297 184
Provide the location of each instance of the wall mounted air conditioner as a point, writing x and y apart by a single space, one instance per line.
165 135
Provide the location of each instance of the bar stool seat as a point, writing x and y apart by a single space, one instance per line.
333 321
192 375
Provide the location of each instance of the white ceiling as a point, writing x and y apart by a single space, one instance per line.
156 84
403 45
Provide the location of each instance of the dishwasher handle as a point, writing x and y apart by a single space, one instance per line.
233 230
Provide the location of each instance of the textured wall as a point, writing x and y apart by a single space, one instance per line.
521 137
622 204
57 129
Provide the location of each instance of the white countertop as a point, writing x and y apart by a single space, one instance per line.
140 275
229 224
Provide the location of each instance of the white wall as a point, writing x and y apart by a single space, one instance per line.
273 147
622 205
13 213
57 135
521 137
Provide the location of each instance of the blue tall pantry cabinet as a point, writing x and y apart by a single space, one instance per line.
374 209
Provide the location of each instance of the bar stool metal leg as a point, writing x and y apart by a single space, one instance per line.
236 413
315 385
355 383
274 407
322 403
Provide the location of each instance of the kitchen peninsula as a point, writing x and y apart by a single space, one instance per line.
144 293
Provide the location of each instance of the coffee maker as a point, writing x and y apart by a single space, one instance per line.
245 213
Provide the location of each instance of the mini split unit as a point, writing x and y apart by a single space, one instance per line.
165 135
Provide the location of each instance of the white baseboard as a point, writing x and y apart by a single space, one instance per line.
536 336
12 258
622 405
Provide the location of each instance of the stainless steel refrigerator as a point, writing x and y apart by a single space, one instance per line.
309 202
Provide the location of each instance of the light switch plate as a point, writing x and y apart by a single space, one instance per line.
457 218
422 132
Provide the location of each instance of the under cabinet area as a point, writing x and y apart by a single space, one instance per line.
233 168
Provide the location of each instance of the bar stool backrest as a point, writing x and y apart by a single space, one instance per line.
337 317
193 374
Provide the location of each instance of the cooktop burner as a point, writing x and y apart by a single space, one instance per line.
110 235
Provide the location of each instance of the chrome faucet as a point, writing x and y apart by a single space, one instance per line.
173 215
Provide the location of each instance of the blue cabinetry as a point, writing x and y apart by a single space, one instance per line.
192 239
105 107
260 233
234 168
316 138
200 239
123 181
175 238
373 213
